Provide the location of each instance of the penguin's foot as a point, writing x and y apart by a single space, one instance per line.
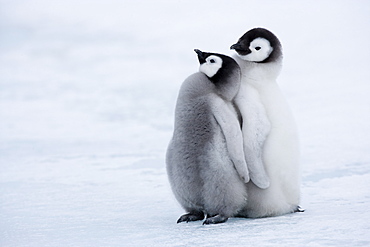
215 219
194 216
299 209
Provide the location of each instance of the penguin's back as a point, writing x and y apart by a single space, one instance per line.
199 166
197 142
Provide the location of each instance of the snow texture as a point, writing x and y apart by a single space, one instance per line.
87 97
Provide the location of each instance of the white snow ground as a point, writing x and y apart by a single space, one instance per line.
87 94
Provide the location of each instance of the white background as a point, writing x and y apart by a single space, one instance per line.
87 96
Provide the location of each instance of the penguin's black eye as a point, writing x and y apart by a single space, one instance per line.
258 48
212 61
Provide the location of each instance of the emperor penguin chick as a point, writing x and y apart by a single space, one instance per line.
269 132
205 159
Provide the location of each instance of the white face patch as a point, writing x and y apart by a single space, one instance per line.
211 66
260 50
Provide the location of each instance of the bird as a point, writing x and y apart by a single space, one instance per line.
270 136
205 161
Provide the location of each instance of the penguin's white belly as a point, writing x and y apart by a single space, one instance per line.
281 159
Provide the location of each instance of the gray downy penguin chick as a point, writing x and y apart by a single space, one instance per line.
205 159
269 132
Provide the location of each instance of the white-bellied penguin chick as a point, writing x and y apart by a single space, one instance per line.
269 131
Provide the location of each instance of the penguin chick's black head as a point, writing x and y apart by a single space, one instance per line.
258 45
222 71
217 67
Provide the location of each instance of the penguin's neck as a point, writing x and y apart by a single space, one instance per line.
259 74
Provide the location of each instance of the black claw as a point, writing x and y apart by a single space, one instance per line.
191 217
215 220
210 215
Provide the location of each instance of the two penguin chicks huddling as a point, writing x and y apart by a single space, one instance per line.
218 160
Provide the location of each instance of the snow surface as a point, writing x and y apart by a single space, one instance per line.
87 97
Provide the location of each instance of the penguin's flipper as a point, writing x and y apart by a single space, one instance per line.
258 174
229 124
253 148
255 129
253 151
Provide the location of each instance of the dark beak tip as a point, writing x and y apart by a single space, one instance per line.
199 52
201 55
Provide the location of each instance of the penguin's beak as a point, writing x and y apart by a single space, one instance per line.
201 56
236 47
240 49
